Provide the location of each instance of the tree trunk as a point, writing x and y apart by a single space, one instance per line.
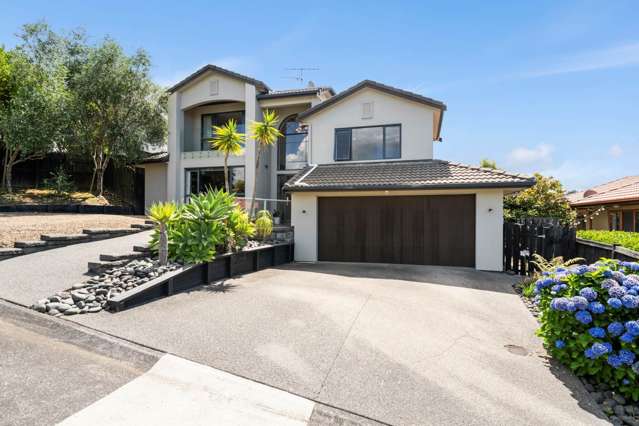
226 173
163 248
257 168
4 174
8 169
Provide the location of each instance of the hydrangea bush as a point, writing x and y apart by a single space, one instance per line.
590 321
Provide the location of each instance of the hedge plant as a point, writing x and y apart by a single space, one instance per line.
629 240
590 321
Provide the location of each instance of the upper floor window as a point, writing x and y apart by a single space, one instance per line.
368 143
218 119
292 145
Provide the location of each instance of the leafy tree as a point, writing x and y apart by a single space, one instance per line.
489 164
32 111
116 108
265 133
544 199
229 141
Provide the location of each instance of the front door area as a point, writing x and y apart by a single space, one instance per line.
421 230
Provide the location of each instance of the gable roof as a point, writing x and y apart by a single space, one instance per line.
259 85
295 92
412 174
620 190
383 88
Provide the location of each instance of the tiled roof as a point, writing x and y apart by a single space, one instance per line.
417 174
156 157
295 92
620 190
259 85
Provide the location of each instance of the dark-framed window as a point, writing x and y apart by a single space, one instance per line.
292 145
368 143
218 119
200 179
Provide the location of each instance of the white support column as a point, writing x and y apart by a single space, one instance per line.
175 180
251 113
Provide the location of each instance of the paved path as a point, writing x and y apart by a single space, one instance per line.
399 344
25 279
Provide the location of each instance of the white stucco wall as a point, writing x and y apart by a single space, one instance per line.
416 121
488 227
155 184
199 91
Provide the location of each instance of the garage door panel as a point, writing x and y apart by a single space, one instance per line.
428 230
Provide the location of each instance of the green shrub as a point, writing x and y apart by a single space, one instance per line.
240 228
589 321
629 240
59 182
264 224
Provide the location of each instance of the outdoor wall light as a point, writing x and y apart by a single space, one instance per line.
490 210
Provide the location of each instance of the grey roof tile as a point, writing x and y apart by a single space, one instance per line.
294 92
415 174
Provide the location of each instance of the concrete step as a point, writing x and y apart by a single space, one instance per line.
29 247
142 248
124 256
110 232
149 222
64 237
8 252
142 226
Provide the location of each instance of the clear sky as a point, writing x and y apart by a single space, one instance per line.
549 86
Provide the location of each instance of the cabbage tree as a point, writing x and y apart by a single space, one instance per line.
229 141
265 133
162 214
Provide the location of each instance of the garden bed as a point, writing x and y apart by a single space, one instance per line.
588 317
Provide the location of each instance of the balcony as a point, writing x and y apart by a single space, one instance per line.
197 155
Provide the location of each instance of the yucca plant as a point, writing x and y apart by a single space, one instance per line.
265 133
263 224
162 214
229 141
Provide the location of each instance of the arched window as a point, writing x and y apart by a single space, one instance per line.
292 145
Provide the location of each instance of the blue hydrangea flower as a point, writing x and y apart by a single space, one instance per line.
560 344
627 337
617 291
580 302
633 291
596 307
558 288
632 327
599 349
607 273
625 382
608 282
627 357
615 328
629 301
614 303
608 346
588 293
579 270
635 367
618 276
589 354
630 281
583 317
597 332
562 304
615 361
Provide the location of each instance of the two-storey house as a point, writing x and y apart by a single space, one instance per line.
357 166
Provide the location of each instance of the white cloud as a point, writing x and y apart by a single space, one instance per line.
611 57
616 151
523 155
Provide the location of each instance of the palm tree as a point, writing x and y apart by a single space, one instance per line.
162 214
228 140
265 134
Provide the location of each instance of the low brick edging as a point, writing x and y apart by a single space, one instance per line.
66 208
51 241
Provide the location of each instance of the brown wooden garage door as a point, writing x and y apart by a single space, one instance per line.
423 230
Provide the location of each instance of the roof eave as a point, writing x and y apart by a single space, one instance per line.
484 185
260 85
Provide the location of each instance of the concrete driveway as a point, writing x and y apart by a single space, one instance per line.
398 344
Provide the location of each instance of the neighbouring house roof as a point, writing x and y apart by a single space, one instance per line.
260 85
155 157
618 191
413 174
384 88
295 92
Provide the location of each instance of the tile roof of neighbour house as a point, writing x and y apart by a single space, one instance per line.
412 174
155 157
295 92
620 190
259 85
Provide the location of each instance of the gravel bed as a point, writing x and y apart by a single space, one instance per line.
29 226
620 410
92 295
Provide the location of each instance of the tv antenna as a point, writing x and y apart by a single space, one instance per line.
300 73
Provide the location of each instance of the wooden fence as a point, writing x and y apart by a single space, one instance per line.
540 236
593 251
